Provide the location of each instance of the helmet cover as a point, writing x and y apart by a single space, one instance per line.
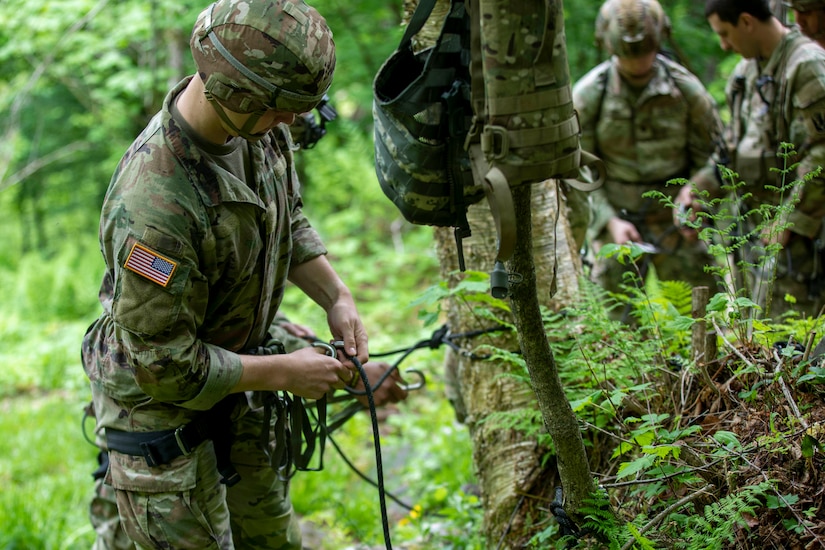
805 5
254 55
631 28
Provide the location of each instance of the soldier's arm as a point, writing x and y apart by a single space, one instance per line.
808 128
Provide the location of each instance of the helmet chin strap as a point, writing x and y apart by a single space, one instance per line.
250 123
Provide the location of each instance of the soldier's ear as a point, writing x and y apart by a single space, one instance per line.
745 21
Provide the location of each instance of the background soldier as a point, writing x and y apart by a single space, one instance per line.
776 95
650 120
810 16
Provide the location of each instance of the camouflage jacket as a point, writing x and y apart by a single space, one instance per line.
781 99
645 137
196 265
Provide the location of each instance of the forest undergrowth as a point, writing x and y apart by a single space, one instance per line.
700 440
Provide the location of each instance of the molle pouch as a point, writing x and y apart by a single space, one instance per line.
422 114
526 129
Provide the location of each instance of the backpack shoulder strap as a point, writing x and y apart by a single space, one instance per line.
419 18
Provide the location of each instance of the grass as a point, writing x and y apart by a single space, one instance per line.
45 467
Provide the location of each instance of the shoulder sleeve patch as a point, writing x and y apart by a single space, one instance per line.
151 265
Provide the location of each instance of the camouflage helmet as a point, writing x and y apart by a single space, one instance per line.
805 5
254 55
630 28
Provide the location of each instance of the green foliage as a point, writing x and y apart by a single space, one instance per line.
82 77
417 443
45 468
715 527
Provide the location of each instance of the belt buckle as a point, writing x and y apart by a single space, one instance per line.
181 444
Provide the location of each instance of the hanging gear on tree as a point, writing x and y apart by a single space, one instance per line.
502 66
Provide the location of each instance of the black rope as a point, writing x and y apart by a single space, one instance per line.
377 440
567 526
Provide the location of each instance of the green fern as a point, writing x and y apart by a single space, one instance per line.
600 521
716 526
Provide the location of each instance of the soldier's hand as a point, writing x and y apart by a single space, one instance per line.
622 231
772 236
311 373
684 211
390 391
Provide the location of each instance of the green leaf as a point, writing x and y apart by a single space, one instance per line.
641 464
622 448
727 439
644 438
662 451
810 445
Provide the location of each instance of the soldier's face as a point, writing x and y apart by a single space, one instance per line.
637 68
733 38
811 22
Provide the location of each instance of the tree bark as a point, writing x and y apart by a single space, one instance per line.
559 419
515 482
513 479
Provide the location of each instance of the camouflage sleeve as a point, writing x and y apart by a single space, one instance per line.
150 230
808 128
707 177
588 94
705 126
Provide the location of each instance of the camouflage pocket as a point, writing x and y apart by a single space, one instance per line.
177 505
131 473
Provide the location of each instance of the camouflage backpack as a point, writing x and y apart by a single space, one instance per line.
422 114
488 108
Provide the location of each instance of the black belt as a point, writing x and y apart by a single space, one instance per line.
157 448
162 447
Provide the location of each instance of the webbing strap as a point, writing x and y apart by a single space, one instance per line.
589 182
500 198
538 101
419 17
496 141
476 61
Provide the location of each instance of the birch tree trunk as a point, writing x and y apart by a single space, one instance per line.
508 463
515 486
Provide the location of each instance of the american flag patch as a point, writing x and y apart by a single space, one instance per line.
150 264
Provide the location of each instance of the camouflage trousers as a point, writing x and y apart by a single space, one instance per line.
183 504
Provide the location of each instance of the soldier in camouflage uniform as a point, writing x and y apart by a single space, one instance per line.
810 17
201 228
650 120
110 534
776 95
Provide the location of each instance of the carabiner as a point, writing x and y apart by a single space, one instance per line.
422 380
328 348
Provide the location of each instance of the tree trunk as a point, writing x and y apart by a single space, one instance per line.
516 485
508 463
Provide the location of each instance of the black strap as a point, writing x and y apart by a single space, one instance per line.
164 446
420 15
295 436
